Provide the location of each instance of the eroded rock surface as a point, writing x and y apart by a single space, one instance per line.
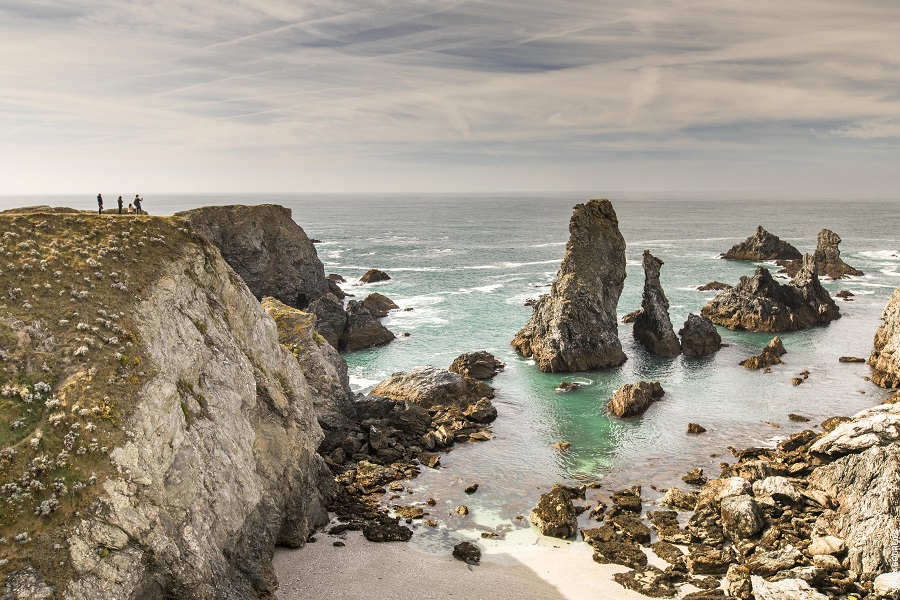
635 399
699 336
653 327
477 365
770 355
827 258
885 359
762 245
574 327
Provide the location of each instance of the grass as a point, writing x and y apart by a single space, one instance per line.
72 366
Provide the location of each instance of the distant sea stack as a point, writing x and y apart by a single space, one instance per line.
759 303
573 328
653 327
762 245
263 244
885 359
827 258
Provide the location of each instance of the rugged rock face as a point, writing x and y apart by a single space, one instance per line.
554 515
770 355
263 244
652 327
379 305
574 327
759 303
218 462
762 245
477 365
827 258
331 318
885 359
431 387
713 286
374 276
630 400
363 329
699 336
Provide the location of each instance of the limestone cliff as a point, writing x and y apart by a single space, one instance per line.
762 245
885 359
177 437
263 244
653 327
759 303
574 327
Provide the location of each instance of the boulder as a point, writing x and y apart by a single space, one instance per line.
378 305
767 564
374 276
363 329
770 355
477 365
762 245
677 498
826 544
713 286
627 554
433 388
695 428
574 327
786 589
554 515
885 359
632 316
263 244
653 327
467 552
778 488
707 560
649 581
699 336
635 399
887 586
827 258
741 517
759 303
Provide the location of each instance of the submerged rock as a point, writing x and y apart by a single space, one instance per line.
653 327
885 359
762 245
699 336
635 399
477 365
374 276
574 327
759 303
827 258
770 355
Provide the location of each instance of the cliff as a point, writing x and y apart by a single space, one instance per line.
164 441
263 244
885 359
653 327
574 327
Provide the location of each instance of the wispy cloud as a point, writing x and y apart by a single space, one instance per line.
284 95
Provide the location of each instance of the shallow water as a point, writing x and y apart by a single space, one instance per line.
465 264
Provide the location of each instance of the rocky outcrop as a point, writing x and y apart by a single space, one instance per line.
477 365
263 244
699 336
574 327
211 459
652 327
374 276
635 399
331 318
770 355
713 286
554 515
885 359
429 387
827 258
379 305
759 303
363 330
762 245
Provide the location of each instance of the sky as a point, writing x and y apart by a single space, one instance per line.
449 96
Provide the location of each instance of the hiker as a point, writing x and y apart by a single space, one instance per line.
100 203
120 205
137 204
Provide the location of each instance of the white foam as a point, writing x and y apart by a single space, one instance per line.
548 245
890 272
881 254
362 383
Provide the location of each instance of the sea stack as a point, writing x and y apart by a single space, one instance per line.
885 359
699 336
762 245
827 258
759 303
573 328
653 327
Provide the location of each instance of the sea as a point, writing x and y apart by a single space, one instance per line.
466 264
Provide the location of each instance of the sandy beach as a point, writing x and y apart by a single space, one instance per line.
560 571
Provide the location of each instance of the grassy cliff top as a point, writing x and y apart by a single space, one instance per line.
71 365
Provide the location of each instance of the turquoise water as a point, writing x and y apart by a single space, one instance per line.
466 264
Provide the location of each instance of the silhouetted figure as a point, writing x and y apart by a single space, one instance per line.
120 205
100 203
137 204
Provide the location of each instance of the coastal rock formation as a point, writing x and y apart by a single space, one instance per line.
263 244
770 355
331 318
762 245
652 327
827 258
207 429
630 400
554 515
374 276
477 365
379 305
574 327
713 286
429 387
699 336
759 303
885 359
363 330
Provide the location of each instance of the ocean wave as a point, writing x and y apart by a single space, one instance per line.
880 254
519 299
513 265
547 245
890 272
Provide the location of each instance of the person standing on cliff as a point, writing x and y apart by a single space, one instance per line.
100 203
137 204
120 205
